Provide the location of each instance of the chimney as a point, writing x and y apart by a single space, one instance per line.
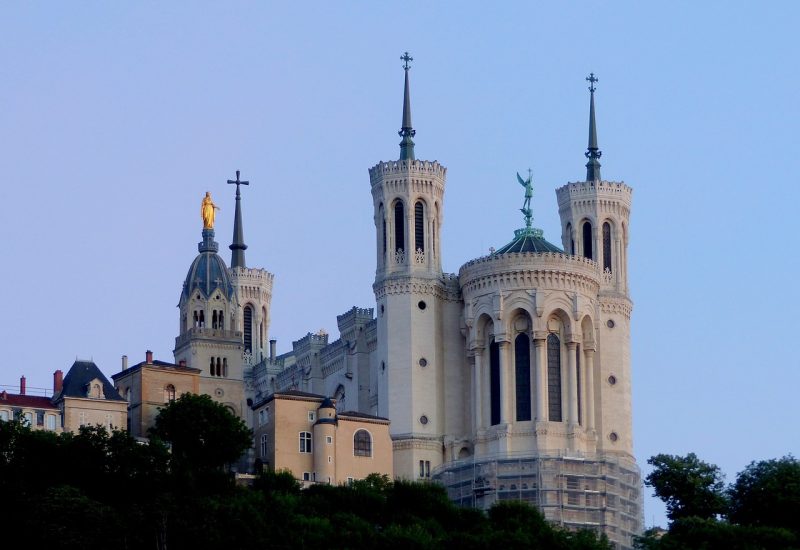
148 357
124 362
22 385
273 344
182 363
58 381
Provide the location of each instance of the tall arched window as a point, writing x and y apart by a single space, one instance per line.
214 319
570 239
399 226
553 378
212 369
382 218
419 227
362 443
202 319
219 366
220 320
522 365
196 319
606 246
225 367
169 393
247 329
587 240
494 382
578 380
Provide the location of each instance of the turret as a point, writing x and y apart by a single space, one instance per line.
324 443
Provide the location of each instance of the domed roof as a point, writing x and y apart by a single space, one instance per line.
208 271
528 239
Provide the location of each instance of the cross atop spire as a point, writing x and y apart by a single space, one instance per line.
406 130
593 153
237 246
406 59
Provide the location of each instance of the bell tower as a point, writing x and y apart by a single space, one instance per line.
409 288
595 216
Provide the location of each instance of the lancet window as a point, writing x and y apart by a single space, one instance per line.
522 364
494 382
399 226
419 226
553 378
587 240
606 246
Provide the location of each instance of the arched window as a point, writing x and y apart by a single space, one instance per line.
202 319
554 378
220 320
214 319
578 379
399 226
522 364
362 443
606 246
382 221
248 328
570 239
96 391
264 445
196 320
419 227
212 368
219 366
169 393
305 442
587 240
494 382
225 367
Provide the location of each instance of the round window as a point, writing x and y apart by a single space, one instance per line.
218 392
613 436
612 379
610 323
422 304
423 362
423 419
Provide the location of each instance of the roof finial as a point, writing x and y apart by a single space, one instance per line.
406 131
593 152
238 247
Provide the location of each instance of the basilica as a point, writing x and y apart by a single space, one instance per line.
507 380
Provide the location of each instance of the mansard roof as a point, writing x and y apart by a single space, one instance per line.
76 382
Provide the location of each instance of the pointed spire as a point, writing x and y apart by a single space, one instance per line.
593 153
238 247
406 131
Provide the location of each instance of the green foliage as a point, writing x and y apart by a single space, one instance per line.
710 534
204 434
767 494
688 486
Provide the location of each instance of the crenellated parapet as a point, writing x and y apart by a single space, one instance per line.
527 270
397 169
588 196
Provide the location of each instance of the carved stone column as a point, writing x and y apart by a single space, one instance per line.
588 355
572 384
505 395
540 375
477 393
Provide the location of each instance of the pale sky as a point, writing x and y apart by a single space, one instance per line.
118 117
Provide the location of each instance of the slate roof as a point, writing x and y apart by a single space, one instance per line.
155 363
26 401
79 376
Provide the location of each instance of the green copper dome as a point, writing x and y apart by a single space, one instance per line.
528 239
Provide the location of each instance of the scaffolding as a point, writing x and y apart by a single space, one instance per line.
600 493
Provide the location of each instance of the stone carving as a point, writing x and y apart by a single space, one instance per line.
419 256
400 256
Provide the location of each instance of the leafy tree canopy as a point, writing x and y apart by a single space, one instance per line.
767 494
688 486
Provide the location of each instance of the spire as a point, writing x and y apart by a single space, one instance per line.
593 152
406 131
238 247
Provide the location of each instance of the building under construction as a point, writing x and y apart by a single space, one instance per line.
575 491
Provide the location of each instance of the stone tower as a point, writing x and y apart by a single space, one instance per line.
409 289
207 338
594 218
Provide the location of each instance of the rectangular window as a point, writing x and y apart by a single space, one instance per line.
40 418
4 416
329 440
82 418
350 480
311 416
425 468
51 422
305 442
330 460
261 417
306 476
27 418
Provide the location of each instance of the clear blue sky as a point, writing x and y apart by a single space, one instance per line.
117 117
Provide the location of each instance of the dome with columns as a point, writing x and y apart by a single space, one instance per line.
208 271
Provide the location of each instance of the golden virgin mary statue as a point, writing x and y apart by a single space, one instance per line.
208 211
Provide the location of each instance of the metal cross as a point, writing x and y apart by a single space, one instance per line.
591 79
405 58
238 183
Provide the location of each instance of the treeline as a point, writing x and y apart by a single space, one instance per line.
96 489
760 510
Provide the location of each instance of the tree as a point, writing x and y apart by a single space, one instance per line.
767 494
687 485
204 434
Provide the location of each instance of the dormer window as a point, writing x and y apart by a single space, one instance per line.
94 390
